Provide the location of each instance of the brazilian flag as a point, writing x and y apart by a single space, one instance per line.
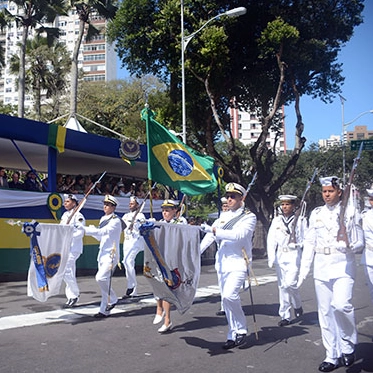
172 163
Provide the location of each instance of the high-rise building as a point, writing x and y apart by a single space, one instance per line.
97 58
246 127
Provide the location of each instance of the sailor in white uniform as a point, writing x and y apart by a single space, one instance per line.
108 233
367 257
133 243
233 233
78 221
285 255
334 273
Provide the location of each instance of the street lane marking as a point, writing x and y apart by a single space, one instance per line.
66 315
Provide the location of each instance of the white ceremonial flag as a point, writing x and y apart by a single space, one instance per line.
172 262
49 251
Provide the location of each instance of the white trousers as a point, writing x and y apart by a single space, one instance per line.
289 295
336 317
231 283
72 289
369 274
103 278
130 251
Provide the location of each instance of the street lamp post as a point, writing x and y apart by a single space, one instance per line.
236 12
344 126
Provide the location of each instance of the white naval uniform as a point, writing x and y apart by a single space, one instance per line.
287 260
334 274
367 257
133 243
230 264
108 233
76 249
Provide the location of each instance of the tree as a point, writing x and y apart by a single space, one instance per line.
32 15
46 70
86 9
273 55
117 104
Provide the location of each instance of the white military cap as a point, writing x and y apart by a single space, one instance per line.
170 203
70 196
287 197
111 199
330 180
235 188
370 192
223 200
134 199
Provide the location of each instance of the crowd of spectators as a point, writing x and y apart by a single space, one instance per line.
79 184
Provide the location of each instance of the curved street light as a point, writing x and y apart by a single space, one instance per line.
236 12
344 126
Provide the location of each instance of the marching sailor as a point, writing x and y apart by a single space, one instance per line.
367 257
286 256
170 210
133 243
334 273
76 249
233 232
108 233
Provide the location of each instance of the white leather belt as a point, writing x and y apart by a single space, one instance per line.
326 250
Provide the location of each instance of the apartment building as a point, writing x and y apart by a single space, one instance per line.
247 127
97 58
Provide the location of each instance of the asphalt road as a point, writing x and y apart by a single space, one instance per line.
41 337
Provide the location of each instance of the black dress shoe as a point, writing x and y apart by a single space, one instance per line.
298 312
109 307
327 367
220 313
229 344
284 322
100 316
129 291
240 339
70 303
348 359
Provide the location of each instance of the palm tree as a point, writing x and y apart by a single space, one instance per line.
46 70
85 10
32 15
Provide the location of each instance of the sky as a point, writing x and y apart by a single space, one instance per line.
323 120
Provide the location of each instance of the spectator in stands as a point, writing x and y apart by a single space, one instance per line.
79 186
68 184
31 183
15 183
3 178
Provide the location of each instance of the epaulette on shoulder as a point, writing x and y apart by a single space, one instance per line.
317 209
247 211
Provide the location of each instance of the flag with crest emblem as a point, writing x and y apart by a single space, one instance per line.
172 163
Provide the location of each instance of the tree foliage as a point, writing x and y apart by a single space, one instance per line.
269 57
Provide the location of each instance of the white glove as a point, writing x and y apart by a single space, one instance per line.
300 281
90 229
294 246
151 220
341 247
270 263
206 228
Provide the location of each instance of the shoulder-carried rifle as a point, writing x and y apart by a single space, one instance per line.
252 182
141 207
80 205
300 210
342 231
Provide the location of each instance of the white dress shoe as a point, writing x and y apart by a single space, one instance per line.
158 318
164 328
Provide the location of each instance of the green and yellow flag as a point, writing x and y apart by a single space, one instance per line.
172 163
57 137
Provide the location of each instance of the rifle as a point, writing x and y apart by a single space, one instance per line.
141 207
342 231
80 205
300 210
252 182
